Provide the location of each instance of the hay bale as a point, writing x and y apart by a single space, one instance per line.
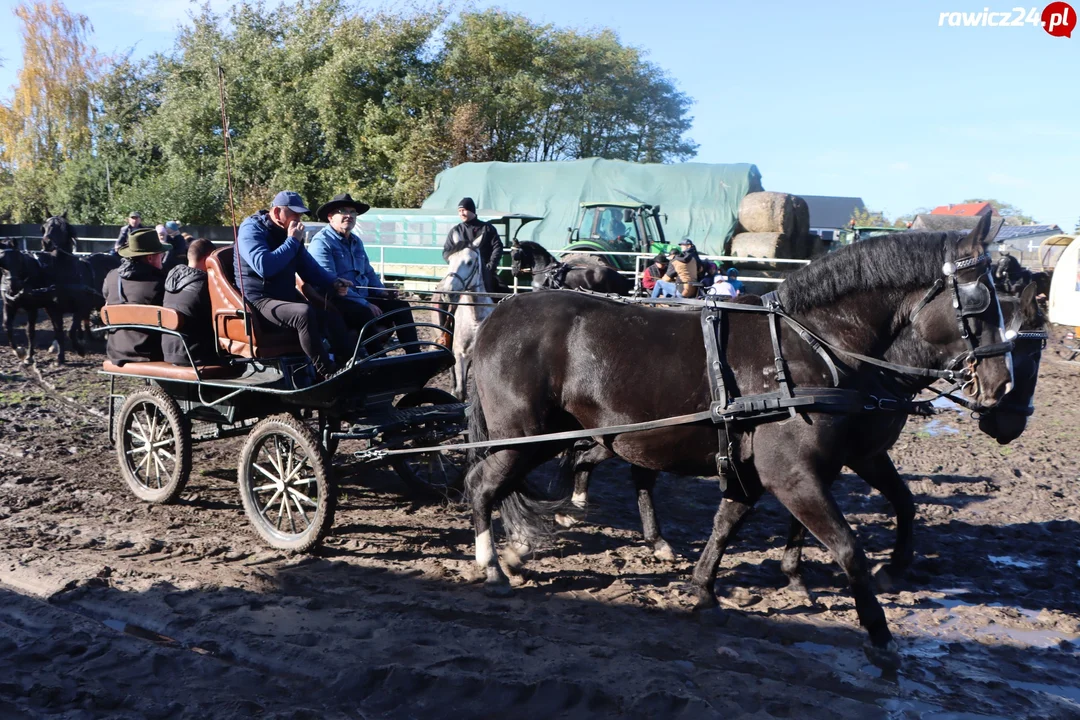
768 212
760 244
802 217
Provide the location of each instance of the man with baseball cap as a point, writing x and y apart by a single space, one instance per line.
139 279
134 222
339 251
270 254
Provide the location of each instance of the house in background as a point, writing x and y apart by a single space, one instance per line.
829 215
965 209
1024 238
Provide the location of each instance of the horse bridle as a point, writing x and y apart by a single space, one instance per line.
968 299
467 279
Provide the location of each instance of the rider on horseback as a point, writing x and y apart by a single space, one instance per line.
483 237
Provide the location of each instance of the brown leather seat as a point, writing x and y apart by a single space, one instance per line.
168 371
265 339
135 314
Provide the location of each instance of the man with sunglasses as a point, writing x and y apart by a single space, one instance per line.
340 252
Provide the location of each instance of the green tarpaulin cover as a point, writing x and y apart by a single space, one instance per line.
701 200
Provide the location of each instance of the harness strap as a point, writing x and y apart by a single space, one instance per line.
697 417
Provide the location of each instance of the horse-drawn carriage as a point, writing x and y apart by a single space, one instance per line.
263 387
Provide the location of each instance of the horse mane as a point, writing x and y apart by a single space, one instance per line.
536 250
901 260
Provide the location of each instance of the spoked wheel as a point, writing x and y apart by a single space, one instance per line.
430 473
153 445
285 486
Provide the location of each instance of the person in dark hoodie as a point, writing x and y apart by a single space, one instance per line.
186 292
474 232
138 280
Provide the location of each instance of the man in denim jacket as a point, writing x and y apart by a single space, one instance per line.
340 252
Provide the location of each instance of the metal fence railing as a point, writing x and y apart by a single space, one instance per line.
421 266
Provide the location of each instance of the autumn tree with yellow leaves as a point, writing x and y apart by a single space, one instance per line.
47 122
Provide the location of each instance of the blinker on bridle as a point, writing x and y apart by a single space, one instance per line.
968 299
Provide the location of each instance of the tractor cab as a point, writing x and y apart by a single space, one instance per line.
615 227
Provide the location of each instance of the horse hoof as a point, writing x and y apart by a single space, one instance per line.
500 589
798 588
883 577
663 552
565 521
705 600
887 658
514 556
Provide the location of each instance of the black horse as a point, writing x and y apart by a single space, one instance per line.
28 286
1026 326
551 362
576 272
56 281
1005 422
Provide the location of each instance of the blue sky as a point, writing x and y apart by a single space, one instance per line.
867 99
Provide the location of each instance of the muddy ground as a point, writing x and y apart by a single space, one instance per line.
115 608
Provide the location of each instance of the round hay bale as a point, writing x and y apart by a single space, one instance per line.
802 217
760 244
767 212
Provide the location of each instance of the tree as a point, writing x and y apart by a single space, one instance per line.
550 94
48 118
47 123
1006 210
869 218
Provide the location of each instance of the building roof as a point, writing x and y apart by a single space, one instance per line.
1017 231
966 209
945 223
829 211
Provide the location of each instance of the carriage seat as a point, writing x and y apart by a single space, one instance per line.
266 340
155 316
168 371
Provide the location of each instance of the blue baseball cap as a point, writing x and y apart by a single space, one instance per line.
172 225
291 200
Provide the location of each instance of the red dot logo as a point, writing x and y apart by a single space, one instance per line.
1059 19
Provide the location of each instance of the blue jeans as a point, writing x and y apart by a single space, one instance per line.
664 289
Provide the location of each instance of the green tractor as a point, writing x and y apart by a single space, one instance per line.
855 233
617 227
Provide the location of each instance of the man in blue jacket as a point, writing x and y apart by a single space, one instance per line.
340 252
271 254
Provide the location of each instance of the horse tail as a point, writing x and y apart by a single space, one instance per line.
478 431
528 512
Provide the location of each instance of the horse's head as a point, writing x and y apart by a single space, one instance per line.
520 257
58 235
958 320
464 274
1025 325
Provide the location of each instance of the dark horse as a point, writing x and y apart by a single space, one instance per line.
1026 326
577 272
552 362
1024 323
56 281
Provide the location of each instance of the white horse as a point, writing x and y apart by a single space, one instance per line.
464 275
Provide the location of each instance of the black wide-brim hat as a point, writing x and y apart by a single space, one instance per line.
338 201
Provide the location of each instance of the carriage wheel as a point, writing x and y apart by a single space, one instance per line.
285 486
439 472
153 445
